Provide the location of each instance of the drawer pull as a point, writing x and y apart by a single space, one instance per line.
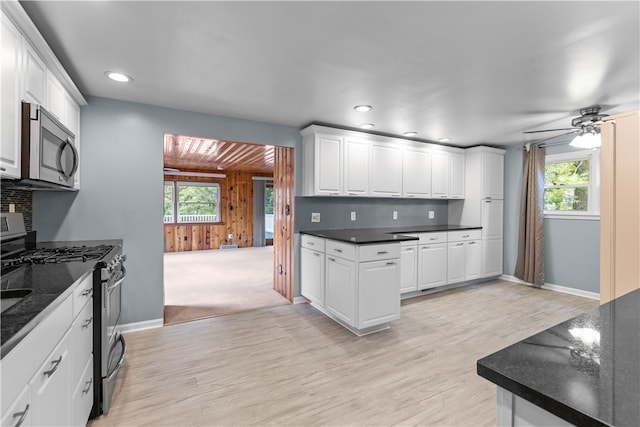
3 169
88 387
460 244
466 235
87 322
338 250
487 201
411 195
382 252
391 263
472 243
86 292
332 259
56 364
22 416
433 238
316 254
310 243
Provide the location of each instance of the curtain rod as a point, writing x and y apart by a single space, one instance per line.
546 144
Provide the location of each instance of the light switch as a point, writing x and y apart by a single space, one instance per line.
315 217
12 207
395 214
432 214
353 216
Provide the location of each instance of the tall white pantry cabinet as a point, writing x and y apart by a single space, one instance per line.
483 203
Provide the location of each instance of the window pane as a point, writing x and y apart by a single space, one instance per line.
566 199
197 203
567 173
168 202
268 200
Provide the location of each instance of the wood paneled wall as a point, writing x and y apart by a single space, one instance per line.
236 214
283 180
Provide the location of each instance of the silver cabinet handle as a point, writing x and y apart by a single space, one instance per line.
488 198
3 169
382 252
310 243
353 194
332 259
411 195
22 416
316 254
408 249
56 364
338 250
443 197
433 238
466 235
395 195
487 201
460 244
88 387
391 263
472 243
87 322
86 292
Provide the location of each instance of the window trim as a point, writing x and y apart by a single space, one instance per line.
176 193
594 184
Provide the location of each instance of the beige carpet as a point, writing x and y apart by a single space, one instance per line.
218 282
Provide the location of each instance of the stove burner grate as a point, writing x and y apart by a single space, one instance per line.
57 255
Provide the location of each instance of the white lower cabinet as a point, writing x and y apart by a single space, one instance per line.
341 289
491 257
82 399
50 387
408 267
432 265
19 413
378 299
455 262
473 260
464 255
312 275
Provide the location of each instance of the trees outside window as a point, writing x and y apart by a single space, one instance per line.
193 202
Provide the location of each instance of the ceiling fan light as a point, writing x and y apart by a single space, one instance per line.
586 140
362 108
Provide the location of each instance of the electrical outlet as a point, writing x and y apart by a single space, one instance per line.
395 214
353 216
432 215
315 217
12 207
230 236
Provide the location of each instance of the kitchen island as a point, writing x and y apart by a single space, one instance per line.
585 371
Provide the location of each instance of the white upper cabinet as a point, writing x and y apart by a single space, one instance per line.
386 170
416 172
440 175
10 87
456 176
493 176
356 166
35 76
55 97
322 174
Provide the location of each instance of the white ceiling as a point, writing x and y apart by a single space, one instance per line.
477 72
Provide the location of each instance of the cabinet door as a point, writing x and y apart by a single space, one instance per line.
10 87
341 289
408 269
378 293
50 388
81 341
456 175
35 76
473 260
432 265
455 262
312 276
386 170
55 97
82 398
492 219
416 173
356 167
493 176
491 257
439 175
19 413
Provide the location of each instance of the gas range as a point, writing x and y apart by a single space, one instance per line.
54 256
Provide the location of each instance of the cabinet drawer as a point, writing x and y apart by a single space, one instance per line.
82 340
313 242
19 413
82 294
82 399
341 250
19 365
409 242
379 252
430 238
464 235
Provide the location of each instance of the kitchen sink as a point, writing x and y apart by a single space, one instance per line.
10 297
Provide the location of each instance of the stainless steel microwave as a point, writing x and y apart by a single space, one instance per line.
49 156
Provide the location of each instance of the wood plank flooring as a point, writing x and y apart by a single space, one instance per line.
291 365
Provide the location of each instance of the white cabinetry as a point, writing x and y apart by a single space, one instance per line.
416 172
356 167
11 89
312 269
55 97
448 174
386 170
341 288
409 265
464 256
19 413
379 293
456 176
35 76
432 260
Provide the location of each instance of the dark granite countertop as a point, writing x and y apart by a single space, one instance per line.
51 284
363 236
585 370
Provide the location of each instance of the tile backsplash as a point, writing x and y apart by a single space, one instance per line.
22 200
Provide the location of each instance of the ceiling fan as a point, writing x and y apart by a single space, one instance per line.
587 126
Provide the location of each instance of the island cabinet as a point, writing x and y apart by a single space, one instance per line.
359 286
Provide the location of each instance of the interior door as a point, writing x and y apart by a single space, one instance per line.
283 176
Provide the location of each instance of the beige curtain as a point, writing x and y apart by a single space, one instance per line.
530 264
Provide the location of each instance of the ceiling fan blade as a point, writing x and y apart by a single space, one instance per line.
554 137
550 130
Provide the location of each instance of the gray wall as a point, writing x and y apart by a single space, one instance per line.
572 247
121 187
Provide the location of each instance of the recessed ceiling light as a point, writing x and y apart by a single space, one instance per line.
367 126
444 139
410 133
362 108
119 77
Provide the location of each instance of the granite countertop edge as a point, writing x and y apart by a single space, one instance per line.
372 235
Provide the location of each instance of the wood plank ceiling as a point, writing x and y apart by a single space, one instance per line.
191 154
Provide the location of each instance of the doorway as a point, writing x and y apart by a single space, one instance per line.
210 225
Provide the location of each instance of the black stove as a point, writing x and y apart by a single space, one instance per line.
55 255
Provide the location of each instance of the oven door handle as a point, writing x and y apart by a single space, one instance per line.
116 284
110 375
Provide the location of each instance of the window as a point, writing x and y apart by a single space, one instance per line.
193 202
572 184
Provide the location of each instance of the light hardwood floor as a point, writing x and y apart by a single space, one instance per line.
291 365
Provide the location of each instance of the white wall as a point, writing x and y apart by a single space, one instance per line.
121 187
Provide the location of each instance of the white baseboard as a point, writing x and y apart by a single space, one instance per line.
552 287
300 300
141 326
